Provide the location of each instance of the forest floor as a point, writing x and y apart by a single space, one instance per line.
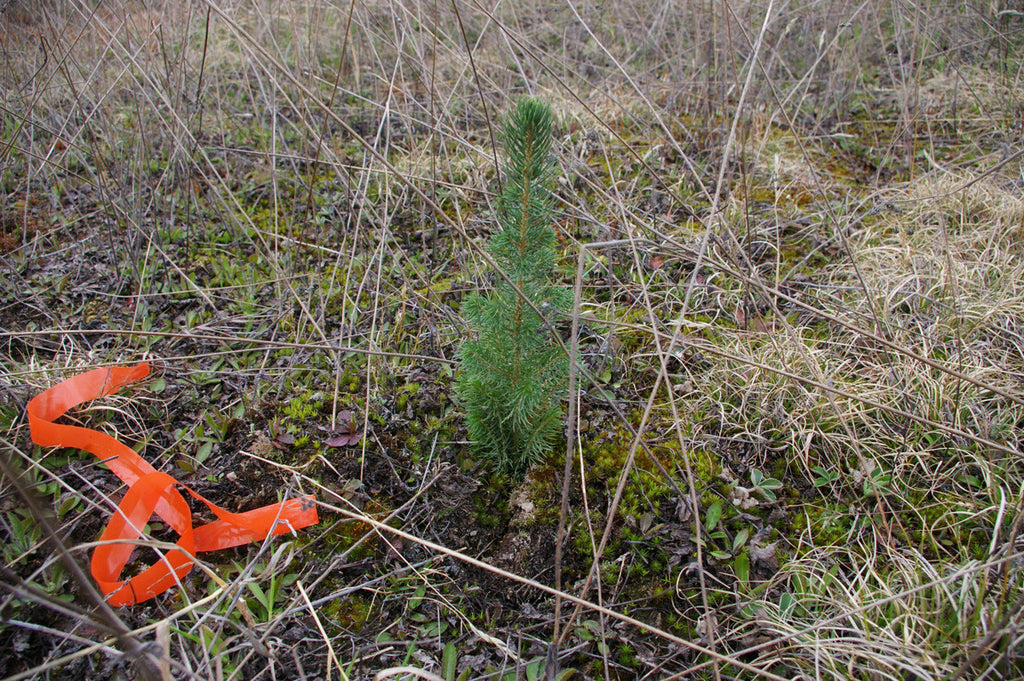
796 448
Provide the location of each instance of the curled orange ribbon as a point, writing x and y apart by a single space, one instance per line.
149 492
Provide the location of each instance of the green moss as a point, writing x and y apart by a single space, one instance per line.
491 502
705 467
303 407
939 525
829 524
780 467
581 535
350 378
626 656
349 614
404 394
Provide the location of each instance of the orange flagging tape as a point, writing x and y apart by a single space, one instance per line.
149 492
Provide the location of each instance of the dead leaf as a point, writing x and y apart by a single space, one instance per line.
740 316
762 325
764 555
684 510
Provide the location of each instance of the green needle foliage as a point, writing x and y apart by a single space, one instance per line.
513 377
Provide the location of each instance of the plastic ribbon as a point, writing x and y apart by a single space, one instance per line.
149 492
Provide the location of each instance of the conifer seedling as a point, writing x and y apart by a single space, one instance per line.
513 372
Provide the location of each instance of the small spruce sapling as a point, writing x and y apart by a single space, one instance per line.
514 374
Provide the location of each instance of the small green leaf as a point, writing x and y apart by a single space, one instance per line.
67 504
417 598
448 661
786 605
799 583
825 476
255 588
742 568
740 539
877 484
714 514
203 453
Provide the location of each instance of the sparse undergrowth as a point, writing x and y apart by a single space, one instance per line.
800 337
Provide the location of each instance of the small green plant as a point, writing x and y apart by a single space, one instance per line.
266 601
513 373
876 483
207 437
824 477
23 536
766 486
726 547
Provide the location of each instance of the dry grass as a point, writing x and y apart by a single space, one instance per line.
798 439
